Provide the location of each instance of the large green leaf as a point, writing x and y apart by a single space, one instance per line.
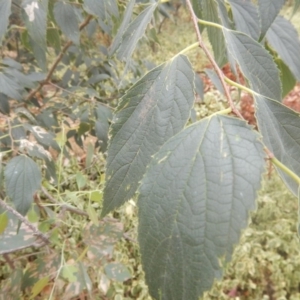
22 179
246 17
283 37
126 19
153 110
134 32
268 10
5 11
210 13
256 64
101 9
35 17
66 18
280 127
193 202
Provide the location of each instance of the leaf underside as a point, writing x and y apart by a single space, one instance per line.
194 201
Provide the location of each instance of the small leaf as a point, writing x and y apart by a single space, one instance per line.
246 17
280 128
80 180
193 202
118 38
39 286
284 39
134 32
256 64
22 178
117 271
3 222
96 196
5 11
153 110
287 79
69 272
66 18
268 10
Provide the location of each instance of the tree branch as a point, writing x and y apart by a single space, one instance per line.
58 59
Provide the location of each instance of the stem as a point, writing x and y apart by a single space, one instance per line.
212 61
207 23
36 232
285 169
239 86
190 47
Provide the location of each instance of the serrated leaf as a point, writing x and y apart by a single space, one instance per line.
256 64
66 18
284 39
69 272
4 104
35 17
193 202
126 19
246 17
280 128
92 214
22 179
5 11
153 110
268 10
134 32
210 13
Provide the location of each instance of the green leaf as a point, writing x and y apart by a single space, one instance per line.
95 8
69 272
246 17
5 11
3 222
287 79
280 126
134 32
153 110
117 271
22 178
53 39
256 64
210 13
39 286
4 104
193 202
35 17
118 38
283 37
66 18
296 6
268 10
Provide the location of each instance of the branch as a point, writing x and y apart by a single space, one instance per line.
213 62
36 232
58 59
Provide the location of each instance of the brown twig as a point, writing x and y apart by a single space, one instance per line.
58 59
213 62
36 232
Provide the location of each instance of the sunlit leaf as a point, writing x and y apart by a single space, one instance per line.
153 110
39 286
193 202
3 222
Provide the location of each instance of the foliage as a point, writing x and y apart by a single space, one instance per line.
196 180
